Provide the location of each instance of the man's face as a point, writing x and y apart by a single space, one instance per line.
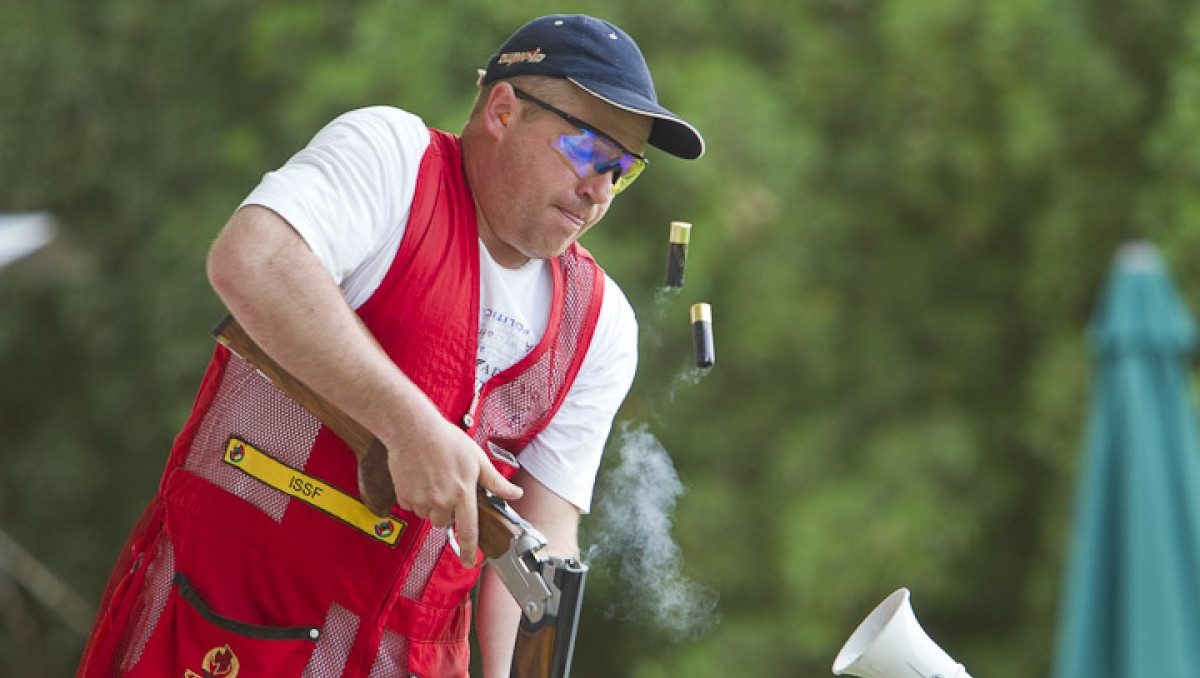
537 203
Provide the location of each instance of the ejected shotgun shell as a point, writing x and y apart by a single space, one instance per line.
677 261
702 336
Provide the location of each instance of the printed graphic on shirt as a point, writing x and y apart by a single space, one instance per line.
504 339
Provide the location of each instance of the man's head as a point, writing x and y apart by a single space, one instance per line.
601 59
565 111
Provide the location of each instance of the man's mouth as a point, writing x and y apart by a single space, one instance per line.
575 219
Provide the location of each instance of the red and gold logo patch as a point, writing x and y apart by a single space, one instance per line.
219 662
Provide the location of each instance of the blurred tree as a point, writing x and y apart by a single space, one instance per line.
901 224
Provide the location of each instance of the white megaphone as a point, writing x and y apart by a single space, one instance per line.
890 643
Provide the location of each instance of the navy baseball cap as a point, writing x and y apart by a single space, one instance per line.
604 61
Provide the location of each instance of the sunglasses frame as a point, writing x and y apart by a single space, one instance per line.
618 184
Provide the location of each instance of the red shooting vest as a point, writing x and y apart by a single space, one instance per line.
256 556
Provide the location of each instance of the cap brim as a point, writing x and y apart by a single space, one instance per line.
669 132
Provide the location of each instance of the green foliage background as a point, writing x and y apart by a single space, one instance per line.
902 224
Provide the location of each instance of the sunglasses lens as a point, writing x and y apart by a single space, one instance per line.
577 149
631 167
587 152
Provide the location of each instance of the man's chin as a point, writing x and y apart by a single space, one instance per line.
551 250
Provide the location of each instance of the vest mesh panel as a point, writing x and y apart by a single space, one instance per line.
333 647
507 414
425 560
160 572
247 405
392 660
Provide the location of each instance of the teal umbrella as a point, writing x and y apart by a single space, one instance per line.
1131 593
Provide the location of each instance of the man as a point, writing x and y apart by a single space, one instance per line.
430 287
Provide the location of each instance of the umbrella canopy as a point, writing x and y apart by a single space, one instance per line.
1131 594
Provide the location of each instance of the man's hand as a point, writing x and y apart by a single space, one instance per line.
435 474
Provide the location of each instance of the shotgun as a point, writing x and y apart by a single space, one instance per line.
548 589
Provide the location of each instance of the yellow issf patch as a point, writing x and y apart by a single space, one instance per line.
312 491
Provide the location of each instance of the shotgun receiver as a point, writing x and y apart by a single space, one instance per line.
548 589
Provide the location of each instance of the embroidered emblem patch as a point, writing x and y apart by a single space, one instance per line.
219 662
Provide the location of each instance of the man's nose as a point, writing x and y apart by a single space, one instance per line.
597 187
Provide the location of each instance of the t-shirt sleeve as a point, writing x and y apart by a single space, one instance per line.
348 192
565 456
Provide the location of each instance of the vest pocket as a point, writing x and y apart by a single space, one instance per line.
194 641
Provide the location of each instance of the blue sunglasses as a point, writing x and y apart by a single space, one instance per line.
591 149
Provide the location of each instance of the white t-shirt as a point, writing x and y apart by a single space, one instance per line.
348 194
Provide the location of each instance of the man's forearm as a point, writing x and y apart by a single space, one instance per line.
496 621
276 287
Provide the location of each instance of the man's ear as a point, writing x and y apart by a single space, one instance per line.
500 109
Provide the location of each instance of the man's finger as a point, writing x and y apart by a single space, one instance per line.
490 479
466 530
